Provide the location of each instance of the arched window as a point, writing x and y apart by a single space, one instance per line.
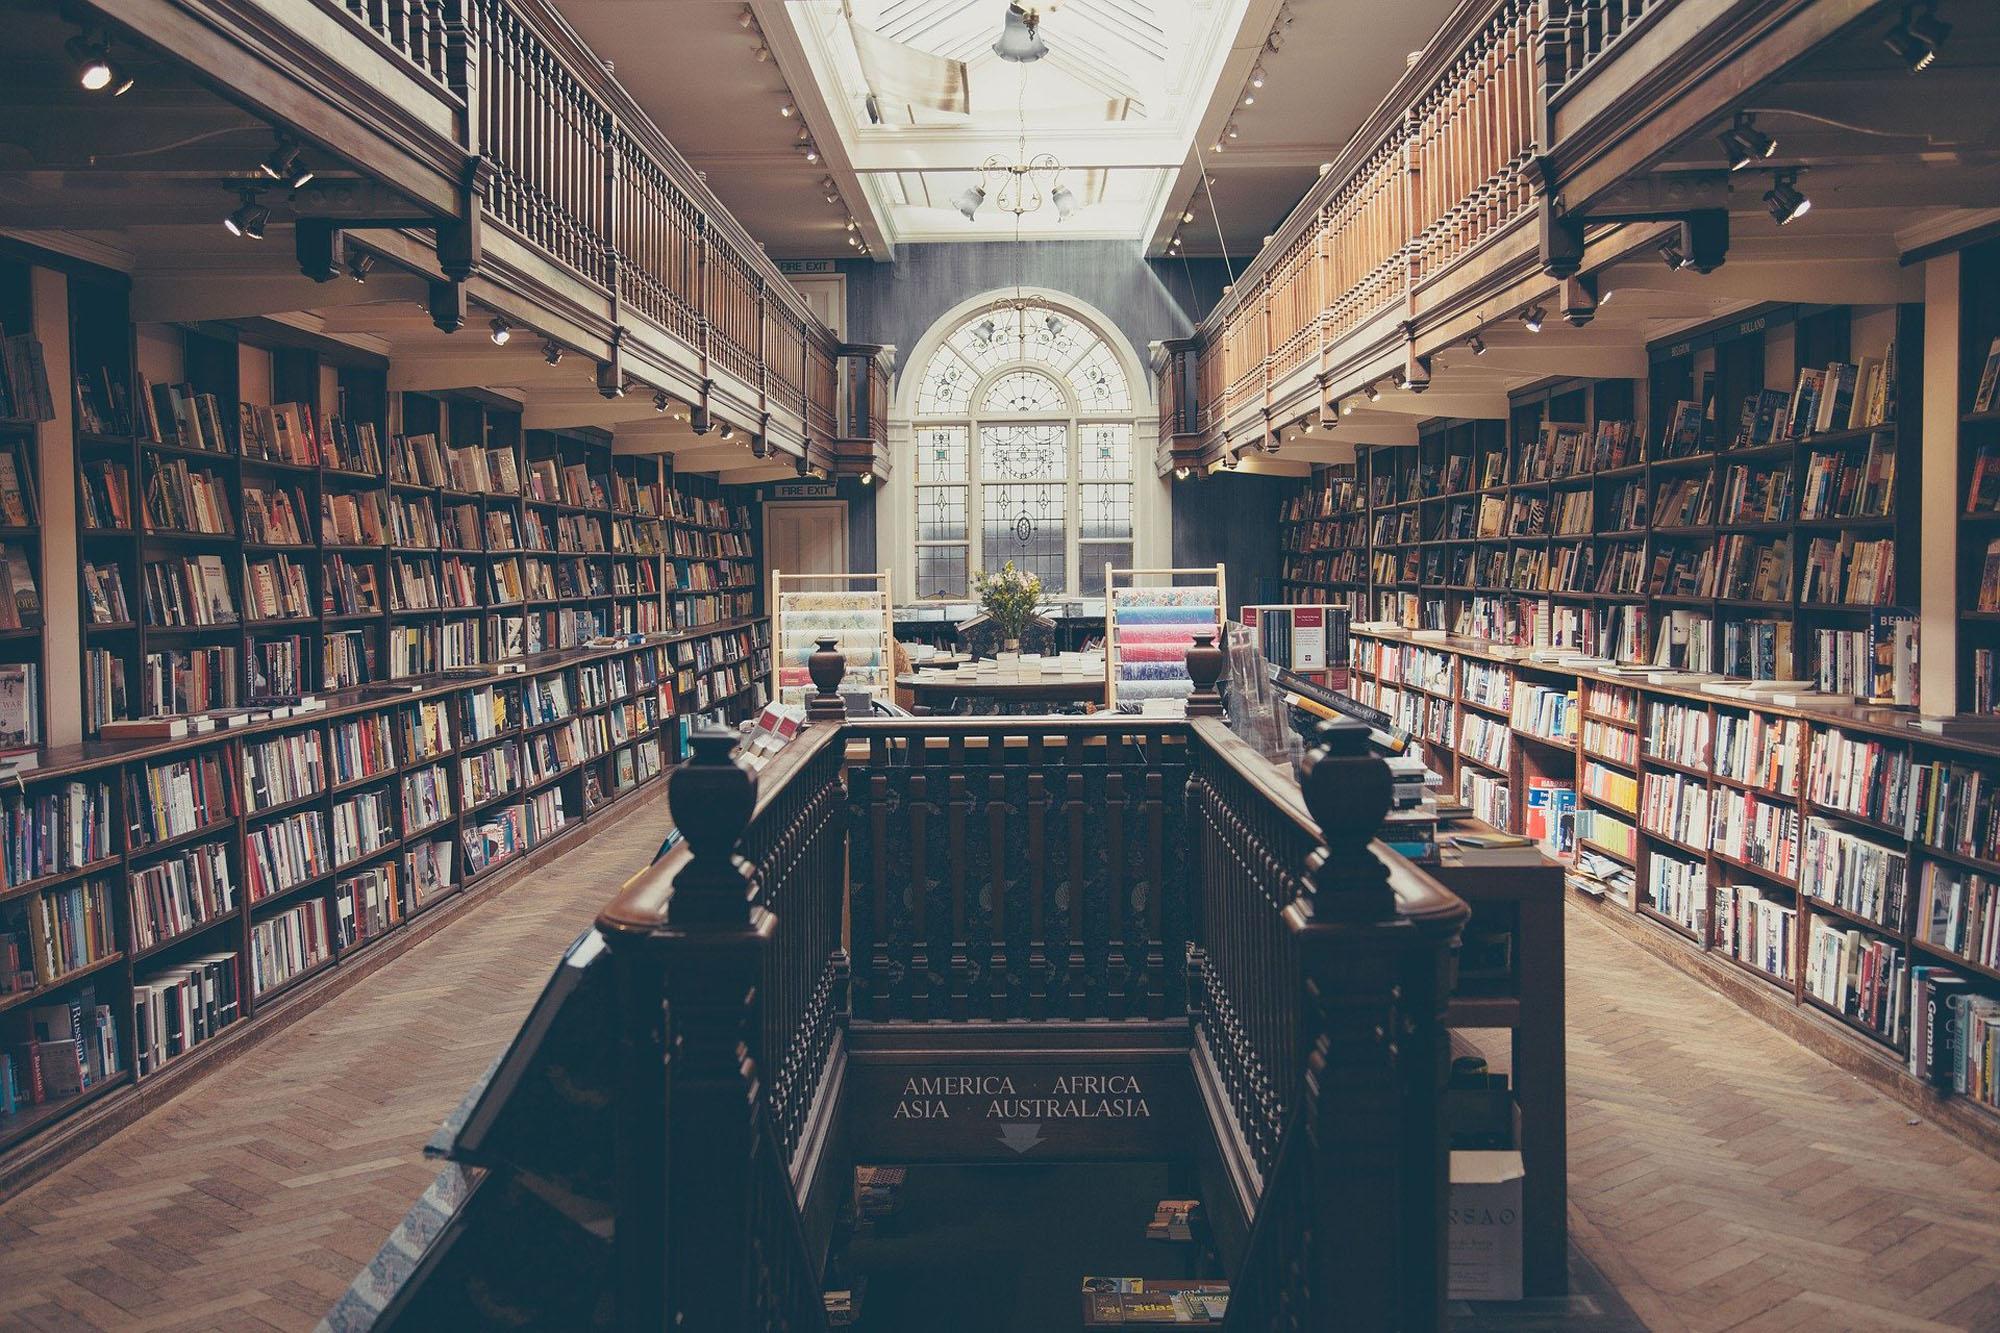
1023 434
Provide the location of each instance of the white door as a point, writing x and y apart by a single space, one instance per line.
806 536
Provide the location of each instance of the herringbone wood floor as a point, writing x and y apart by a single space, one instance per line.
1722 1176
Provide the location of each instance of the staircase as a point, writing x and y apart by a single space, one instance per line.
994 940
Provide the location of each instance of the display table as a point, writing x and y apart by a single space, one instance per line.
936 692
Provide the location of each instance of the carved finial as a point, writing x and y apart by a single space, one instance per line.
1204 665
827 666
1348 789
712 796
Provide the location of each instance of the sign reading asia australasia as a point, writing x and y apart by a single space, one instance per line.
1046 1109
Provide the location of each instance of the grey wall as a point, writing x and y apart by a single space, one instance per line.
897 303
1232 518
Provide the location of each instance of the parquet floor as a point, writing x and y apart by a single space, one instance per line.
1722 1177
251 1202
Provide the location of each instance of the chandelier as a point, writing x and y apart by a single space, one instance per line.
1021 188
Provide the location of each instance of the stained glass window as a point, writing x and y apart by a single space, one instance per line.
1024 432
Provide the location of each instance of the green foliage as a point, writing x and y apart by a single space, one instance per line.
1008 597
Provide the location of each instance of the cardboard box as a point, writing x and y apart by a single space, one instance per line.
1485 1230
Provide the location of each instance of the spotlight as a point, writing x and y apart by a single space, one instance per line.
1275 42
1217 148
1672 254
1325 167
969 200
1020 41
95 69
1532 318
1249 99
1915 38
1231 130
726 431
660 402
1180 474
1065 202
285 166
1257 76
360 264
1347 408
1175 243
1374 394
1187 215
501 331
745 19
249 218
1784 200
1306 425
852 239
812 152
1477 344
1400 380
868 479
552 352
1743 143
760 53
787 110
852 224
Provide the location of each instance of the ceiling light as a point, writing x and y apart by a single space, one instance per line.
1325 167
552 351
1249 99
1670 251
359 264
1274 42
1477 344
727 431
1065 202
868 479
1784 200
852 239
1374 394
851 223
1400 380
285 165
1187 215
969 199
1020 38
1743 143
501 331
1347 408
249 218
95 70
787 110
1532 318
810 149
1180 474
760 53
1306 425
1217 148
660 401
1257 76
745 19
1231 130
1916 37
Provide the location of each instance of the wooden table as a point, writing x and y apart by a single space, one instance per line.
942 662
935 692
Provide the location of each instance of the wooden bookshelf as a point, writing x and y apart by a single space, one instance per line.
1978 664
603 723
1763 777
22 640
1476 531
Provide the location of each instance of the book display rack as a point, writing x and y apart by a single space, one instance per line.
1739 529
1150 619
855 610
1847 862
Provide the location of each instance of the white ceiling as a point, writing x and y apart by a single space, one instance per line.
1130 91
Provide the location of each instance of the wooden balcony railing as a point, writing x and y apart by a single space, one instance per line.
1079 878
416 30
1579 33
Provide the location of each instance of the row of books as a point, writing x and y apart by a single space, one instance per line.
52 1052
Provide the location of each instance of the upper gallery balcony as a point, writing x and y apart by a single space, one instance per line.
1540 154
476 150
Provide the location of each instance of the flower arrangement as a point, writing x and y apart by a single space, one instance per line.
1008 596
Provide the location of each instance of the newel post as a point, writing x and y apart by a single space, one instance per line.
827 666
688 967
1374 1051
1204 666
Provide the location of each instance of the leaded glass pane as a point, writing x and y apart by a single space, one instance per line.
1023 453
940 513
941 453
1027 392
1107 509
947 386
1094 556
1104 451
1098 382
941 571
1024 524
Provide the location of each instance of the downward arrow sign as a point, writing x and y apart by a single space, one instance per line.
1020 1137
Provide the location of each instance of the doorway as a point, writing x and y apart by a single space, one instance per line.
806 536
